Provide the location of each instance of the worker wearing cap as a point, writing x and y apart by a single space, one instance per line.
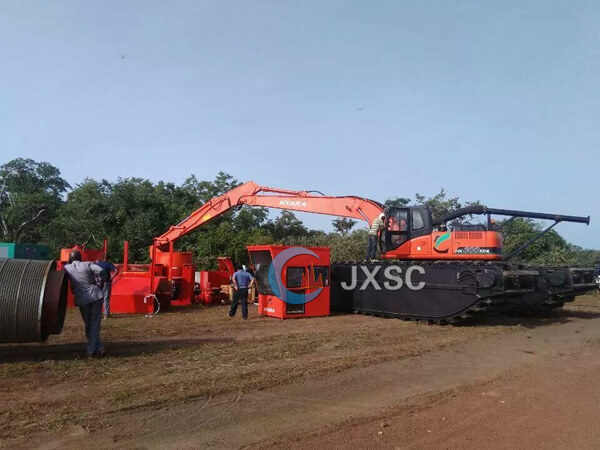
376 227
242 281
89 297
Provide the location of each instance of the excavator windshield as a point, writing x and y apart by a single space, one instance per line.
404 223
395 230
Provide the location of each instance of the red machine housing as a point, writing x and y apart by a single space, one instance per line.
179 269
209 282
174 282
300 274
132 293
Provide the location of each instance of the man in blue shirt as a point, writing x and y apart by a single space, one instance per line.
107 276
242 281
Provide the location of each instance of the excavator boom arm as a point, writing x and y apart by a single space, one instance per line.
249 194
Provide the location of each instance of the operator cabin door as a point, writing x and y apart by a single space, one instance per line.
295 281
407 224
395 229
304 280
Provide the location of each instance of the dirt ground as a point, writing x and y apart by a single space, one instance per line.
552 404
196 378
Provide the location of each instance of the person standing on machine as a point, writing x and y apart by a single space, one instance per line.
242 281
376 227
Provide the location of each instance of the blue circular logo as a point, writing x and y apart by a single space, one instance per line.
276 283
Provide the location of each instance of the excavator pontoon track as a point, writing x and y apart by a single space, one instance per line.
454 290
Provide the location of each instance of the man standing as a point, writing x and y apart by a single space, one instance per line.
242 281
88 296
376 227
107 278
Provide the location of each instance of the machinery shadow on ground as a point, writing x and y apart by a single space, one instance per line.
538 319
115 349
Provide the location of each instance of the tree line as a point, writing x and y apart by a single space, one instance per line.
38 206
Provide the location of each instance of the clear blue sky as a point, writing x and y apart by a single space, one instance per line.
494 101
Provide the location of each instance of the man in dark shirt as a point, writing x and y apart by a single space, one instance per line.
242 281
107 276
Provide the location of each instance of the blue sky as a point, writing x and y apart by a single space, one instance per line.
494 101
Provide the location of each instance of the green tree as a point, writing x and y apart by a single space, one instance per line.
248 218
343 225
30 194
440 205
139 211
224 240
286 225
343 248
228 234
243 219
351 248
582 257
205 190
551 248
82 218
397 201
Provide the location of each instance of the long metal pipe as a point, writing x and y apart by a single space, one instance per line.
478 209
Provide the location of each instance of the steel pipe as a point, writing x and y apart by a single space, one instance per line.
479 209
33 300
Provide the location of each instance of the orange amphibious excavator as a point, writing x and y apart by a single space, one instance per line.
461 267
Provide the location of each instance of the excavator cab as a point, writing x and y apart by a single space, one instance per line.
404 223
